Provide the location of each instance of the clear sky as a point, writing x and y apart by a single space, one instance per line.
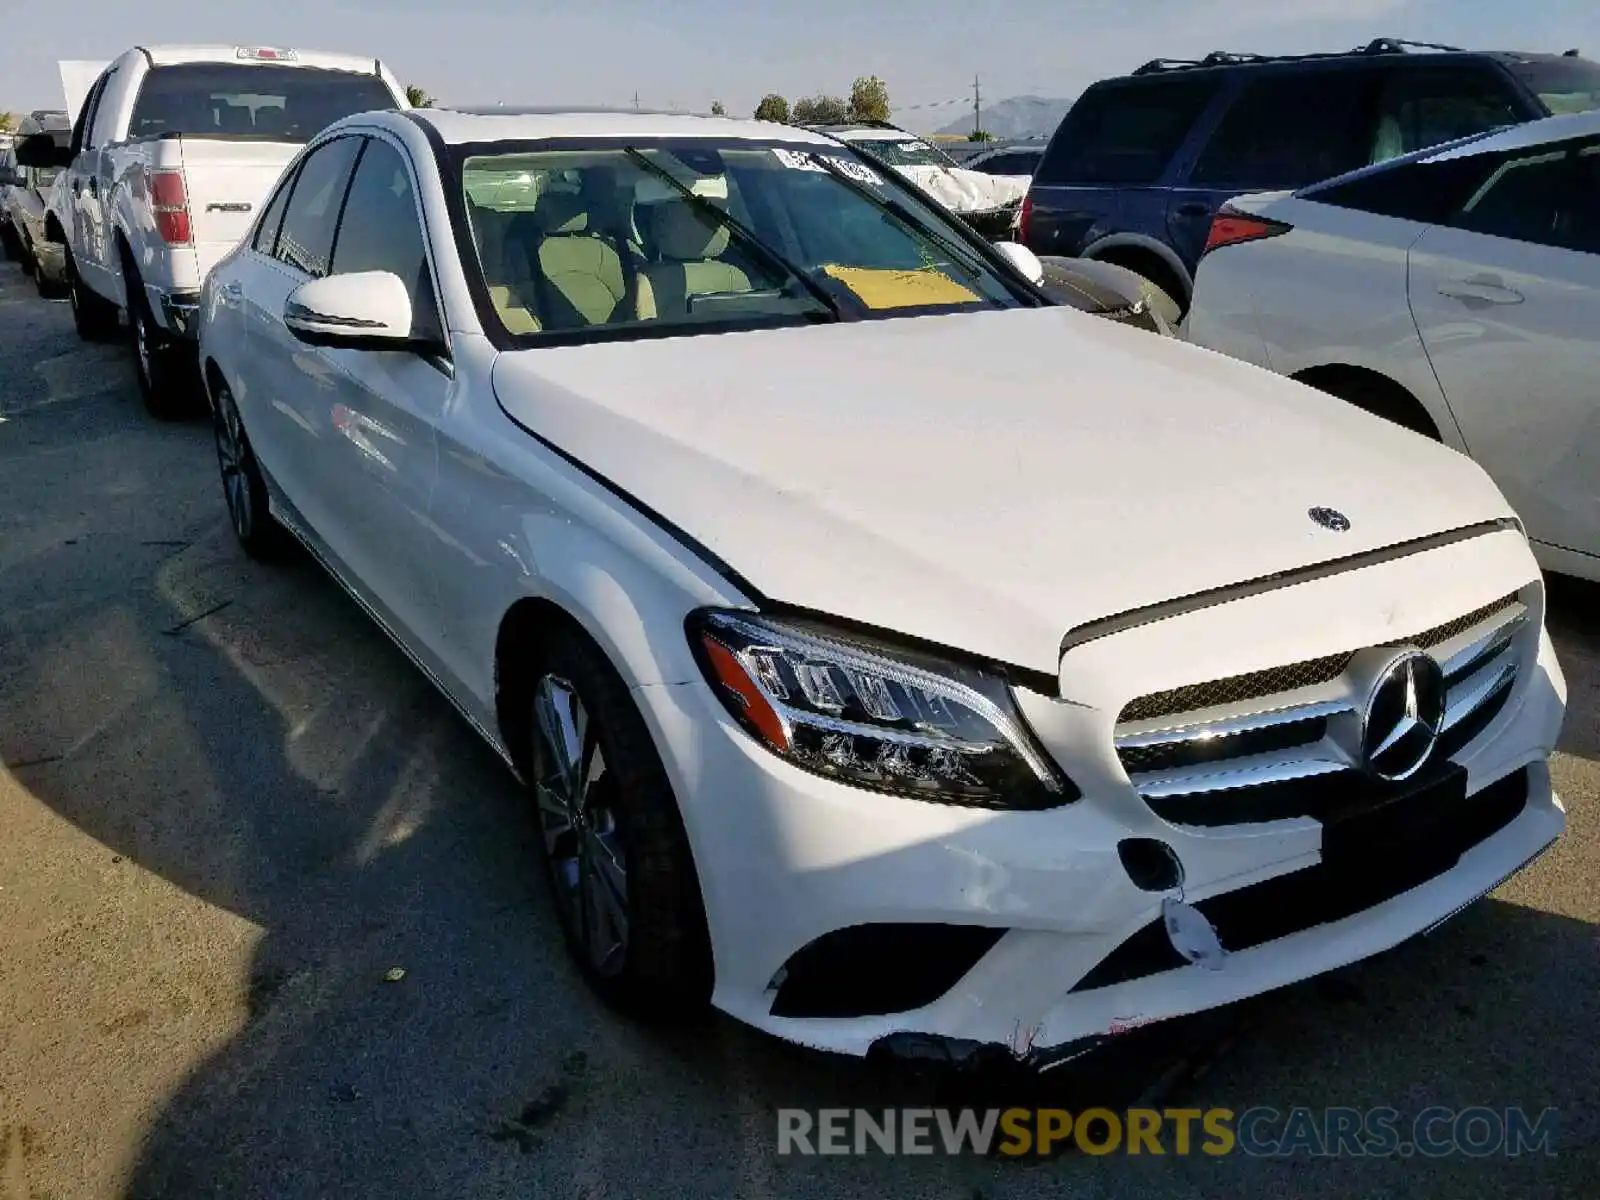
685 53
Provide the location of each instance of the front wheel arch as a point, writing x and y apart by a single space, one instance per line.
536 634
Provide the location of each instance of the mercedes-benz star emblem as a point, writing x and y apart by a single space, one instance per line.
1329 518
1404 716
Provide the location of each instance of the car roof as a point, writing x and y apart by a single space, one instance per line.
180 55
1517 137
456 126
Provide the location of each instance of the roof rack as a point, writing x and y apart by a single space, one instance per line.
1230 58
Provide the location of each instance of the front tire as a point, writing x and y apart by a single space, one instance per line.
616 854
244 488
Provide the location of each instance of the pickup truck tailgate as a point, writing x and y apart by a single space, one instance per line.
228 182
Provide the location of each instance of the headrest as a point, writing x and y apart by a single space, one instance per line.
683 234
651 190
561 212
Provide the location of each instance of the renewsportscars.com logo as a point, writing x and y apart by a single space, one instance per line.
1260 1132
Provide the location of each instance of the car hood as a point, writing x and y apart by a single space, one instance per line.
961 190
987 481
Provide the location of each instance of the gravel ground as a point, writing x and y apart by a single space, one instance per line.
229 808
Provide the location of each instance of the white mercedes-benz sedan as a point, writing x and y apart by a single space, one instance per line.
896 661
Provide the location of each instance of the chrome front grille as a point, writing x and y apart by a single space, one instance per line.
1260 746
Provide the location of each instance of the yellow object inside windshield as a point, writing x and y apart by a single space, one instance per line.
880 288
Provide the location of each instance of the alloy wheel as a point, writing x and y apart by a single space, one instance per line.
141 345
575 792
231 458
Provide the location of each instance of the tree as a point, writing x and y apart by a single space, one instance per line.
980 135
773 107
717 110
869 99
418 98
821 110
8 122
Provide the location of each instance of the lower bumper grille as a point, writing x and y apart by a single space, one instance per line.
1367 859
874 970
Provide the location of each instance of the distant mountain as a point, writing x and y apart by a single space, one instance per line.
1017 118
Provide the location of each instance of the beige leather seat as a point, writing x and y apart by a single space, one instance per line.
687 248
560 266
506 271
582 268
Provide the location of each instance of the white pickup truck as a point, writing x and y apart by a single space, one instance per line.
172 151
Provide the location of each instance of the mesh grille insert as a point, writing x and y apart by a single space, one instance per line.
1237 689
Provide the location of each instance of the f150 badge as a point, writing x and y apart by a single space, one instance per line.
235 206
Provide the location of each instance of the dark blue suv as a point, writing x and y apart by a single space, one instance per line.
1140 164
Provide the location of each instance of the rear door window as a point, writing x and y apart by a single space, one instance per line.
1415 191
1125 133
1518 200
1424 106
1289 129
1577 214
1543 196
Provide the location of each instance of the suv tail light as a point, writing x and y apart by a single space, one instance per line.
1231 227
169 201
1024 216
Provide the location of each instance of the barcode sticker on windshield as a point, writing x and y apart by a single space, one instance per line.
851 169
798 160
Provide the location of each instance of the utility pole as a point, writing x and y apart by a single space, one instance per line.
635 101
977 107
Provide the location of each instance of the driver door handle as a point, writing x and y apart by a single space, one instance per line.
1194 208
1481 289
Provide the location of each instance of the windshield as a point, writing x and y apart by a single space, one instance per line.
706 235
1565 86
267 103
908 152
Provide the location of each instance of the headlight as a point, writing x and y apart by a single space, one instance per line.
873 715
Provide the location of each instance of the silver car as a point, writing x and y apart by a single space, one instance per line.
24 203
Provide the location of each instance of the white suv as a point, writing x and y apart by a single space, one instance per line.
893 658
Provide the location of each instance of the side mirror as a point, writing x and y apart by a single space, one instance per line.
366 310
43 150
1024 260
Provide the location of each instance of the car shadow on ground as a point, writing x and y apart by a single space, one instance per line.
408 1024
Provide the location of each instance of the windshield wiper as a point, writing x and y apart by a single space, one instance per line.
733 225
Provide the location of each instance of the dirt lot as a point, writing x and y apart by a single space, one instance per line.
229 808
